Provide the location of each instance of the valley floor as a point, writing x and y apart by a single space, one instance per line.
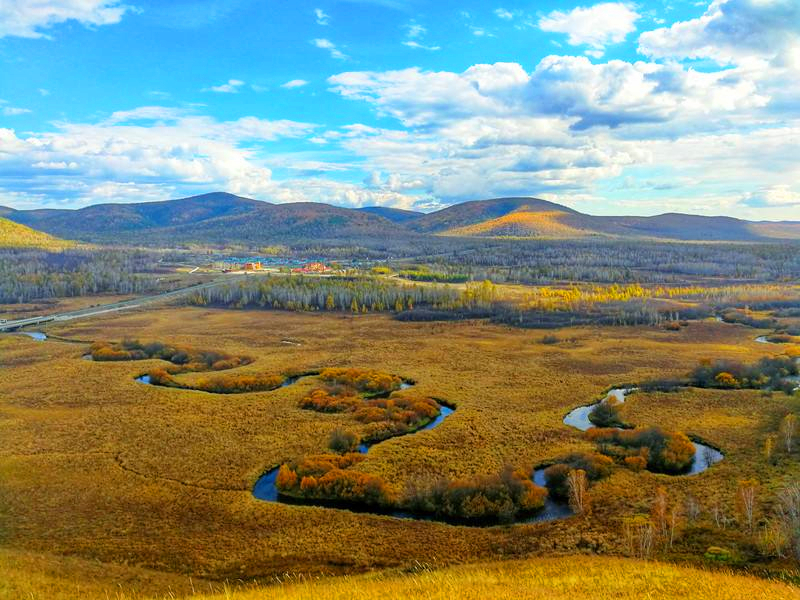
96 466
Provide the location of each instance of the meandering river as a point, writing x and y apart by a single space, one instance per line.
704 456
265 487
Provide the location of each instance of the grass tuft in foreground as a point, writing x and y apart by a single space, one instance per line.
567 578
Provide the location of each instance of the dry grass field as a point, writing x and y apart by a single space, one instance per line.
102 468
570 578
54 305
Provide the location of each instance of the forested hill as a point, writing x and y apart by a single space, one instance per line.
222 218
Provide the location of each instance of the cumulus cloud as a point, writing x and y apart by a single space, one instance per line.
559 129
32 19
732 32
147 145
565 126
330 47
773 196
294 83
596 26
502 13
588 95
231 87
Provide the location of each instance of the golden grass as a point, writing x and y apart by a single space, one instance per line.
523 223
94 464
571 578
568 578
55 305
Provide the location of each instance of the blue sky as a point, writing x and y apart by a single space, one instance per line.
610 108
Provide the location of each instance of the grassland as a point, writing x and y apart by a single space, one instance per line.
97 466
571 578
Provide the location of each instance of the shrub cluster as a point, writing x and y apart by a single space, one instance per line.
342 442
596 466
323 401
606 414
769 372
221 384
744 317
368 381
384 417
326 477
389 417
500 497
664 451
187 359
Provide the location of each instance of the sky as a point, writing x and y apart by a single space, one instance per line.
609 108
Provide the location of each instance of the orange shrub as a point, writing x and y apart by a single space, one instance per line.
500 497
363 380
665 451
636 463
325 477
321 401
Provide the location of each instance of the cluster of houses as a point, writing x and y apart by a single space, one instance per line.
313 267
233 265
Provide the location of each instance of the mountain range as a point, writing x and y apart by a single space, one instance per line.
222 218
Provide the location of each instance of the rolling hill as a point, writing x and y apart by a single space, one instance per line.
304 221
14 235
106 221
534 218
395 215
221 218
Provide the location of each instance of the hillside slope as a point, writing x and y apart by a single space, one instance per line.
525 223
395 215
307 221
108 221
465 214
14 235
567 578
535 218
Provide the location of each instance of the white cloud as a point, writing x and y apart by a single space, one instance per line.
232 87
44 92
28 19
596 26
294 83
586 95
772 196
502 13
414 34
330 47
321 16
732 32
415 30
567 125
13 111
415 44
148 146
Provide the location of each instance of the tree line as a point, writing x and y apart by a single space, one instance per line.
27 275
345 294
